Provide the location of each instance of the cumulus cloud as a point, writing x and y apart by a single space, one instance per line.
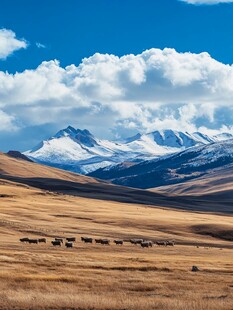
9 43
156 89
207 2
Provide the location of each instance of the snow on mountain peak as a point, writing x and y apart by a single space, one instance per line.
223 136
78 150
69 131
83 137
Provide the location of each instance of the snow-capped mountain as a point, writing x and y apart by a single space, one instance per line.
79 151
167 141
174 168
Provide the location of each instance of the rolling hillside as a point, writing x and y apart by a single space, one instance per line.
59 181
218 182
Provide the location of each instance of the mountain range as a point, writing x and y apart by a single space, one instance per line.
192 163
79 151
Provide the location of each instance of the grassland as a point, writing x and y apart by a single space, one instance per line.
110 277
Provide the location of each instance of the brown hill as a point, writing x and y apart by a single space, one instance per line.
19 169
53 179
56 180
17 154
217 183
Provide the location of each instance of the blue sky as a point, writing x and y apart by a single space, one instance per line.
74 29
155 93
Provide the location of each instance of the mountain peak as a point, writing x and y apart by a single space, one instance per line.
80 136
70 128
68 131
84 132
72 132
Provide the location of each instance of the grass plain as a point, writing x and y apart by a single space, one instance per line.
91 276
38 201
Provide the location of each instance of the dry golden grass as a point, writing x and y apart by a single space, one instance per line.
109 277
23 169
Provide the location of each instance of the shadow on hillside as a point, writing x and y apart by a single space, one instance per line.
205 203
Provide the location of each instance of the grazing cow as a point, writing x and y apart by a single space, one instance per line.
161 243
105 242
118 242
69 244
24 240
87 239
150 243
146 244
133 241
171 243
33 241
71 239
98 240
56 243
59 239
42 240
136 241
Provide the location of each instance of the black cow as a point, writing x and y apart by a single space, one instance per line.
136 241
69 244
59 239
87 239
105 242
146 244
98 240
42 240
24 240
33 241
163 243
56 243
71 239
118 242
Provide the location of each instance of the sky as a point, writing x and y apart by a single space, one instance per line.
115 67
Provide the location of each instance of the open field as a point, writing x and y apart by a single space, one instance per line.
91 276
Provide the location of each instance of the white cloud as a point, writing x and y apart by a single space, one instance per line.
9 43
207 2
40 45
7 122
153 90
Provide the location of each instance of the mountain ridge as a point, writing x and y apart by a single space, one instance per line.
80 151
171 169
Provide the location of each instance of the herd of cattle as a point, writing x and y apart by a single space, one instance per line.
70 241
